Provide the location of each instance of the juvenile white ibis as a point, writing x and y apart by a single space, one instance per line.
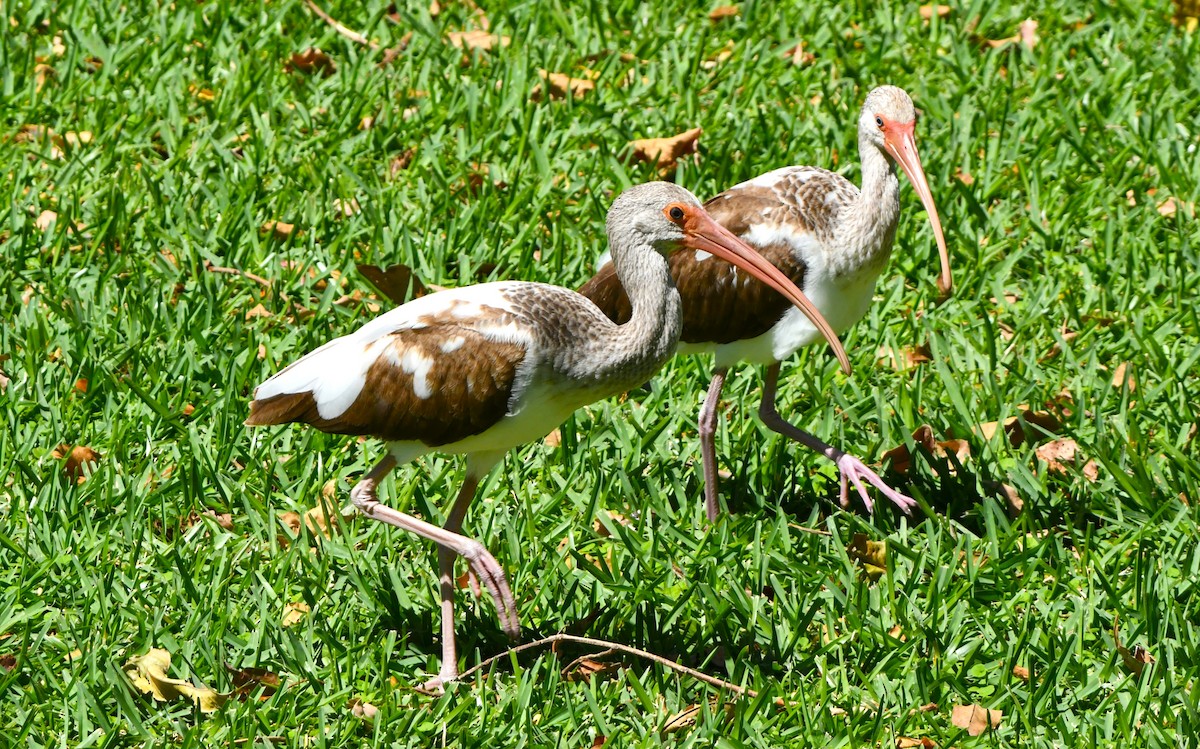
829 237
480 369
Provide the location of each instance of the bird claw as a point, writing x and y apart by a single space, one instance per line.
854 470
489 571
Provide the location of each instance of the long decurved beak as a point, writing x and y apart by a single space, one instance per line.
701 232
902 145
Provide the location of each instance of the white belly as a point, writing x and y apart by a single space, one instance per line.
843 302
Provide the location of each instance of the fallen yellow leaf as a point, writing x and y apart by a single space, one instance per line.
148 673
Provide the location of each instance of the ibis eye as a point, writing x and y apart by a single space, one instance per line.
676 213
879 121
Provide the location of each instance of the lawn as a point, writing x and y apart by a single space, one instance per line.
190 196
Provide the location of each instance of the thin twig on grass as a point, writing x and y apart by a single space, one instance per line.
345 31
660 660
236 272
806 529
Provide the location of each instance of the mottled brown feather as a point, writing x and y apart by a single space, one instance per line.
719 305
470 392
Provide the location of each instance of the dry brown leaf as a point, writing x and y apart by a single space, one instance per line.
1187 14
1021 673
477 39
665 152
903 742
601 530
687 717
975 719
256 311
872 555
1028 33
311 60
1060 452
1012 500
4 381
963 176
294 613
923 437
583 669
903 359
246 680
1136 658
80 461
279 229
320 524
395 282
346 208
1030 426
401 162
1172 205
554 439
929 11
562 86
363 710
8 661
223 519
723 12
149 676
797 56
1123 377
45 220
81 385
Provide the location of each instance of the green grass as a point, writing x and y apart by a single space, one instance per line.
116 291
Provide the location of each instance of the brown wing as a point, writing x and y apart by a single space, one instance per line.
721 304
466 390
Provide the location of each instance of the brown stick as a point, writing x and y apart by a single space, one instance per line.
236 272
668 663
345 31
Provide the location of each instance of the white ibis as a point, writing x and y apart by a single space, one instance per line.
829 237
480 369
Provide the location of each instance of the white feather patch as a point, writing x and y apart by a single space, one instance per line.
701 255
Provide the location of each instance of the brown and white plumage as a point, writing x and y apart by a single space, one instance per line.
481 369
828 237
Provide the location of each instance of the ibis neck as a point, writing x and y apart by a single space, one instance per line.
868 226
628 355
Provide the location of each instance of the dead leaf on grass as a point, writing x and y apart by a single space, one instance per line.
149 676
257 311
905 358
1123 377
294 613
798 56
602 530
1021 673
246 680
8 661
1030 426
401 162
223 519
723 54
554 439
396 282
665 152
929 11
1136 658
583 669
1187 14
80 461
561 86
687 717
903 742
311 60
45 220
278 229
346 208
1026 34
477 39
923 437
364 711
1173 205
872 555
975 719
1061 452
723 12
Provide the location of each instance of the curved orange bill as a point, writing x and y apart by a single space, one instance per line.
701 232
902 145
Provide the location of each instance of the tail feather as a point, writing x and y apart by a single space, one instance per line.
283 409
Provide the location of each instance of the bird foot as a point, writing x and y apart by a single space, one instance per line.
489 571
436 686
854 470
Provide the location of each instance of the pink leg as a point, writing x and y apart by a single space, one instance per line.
449 540
850 467
708 449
